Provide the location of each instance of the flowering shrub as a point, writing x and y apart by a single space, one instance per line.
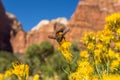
64 48
20 70
101 58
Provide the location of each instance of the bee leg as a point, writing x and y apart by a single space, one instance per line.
51 37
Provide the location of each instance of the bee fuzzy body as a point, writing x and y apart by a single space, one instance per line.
60 31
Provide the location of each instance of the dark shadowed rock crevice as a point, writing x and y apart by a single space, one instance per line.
5 29
9 27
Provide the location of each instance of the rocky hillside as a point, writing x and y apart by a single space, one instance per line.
88 16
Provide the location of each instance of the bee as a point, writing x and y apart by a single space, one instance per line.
60 31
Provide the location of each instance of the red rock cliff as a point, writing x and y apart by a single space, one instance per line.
90 15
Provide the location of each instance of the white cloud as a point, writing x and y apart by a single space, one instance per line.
62 20
40 24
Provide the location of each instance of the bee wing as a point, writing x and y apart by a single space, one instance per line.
51 37
65 31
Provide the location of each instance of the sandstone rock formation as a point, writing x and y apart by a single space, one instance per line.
9 28
17 35
90 15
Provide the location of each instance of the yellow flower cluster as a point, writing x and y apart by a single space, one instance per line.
6 75
111 77
83 71
113 21
113 18
100 60
20 70
117 45
118 31
1 76
105 36
88 37
64 49
84 54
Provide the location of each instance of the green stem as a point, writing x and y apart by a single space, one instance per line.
70 70
108 63
65 71
98 72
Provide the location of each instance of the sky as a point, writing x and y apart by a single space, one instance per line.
31 12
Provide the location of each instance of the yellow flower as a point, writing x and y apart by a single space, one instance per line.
56 77
84 68
8 73
95 77
117 56
118 31
66 44
83 72
105 36
97 56
99 46
113 17
117 45
85 38
20 70
36 77
111 77
75 76
111 53
90 46
84 54
64 49
88 36
1 76
113 21
106 27
97 52
114 65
